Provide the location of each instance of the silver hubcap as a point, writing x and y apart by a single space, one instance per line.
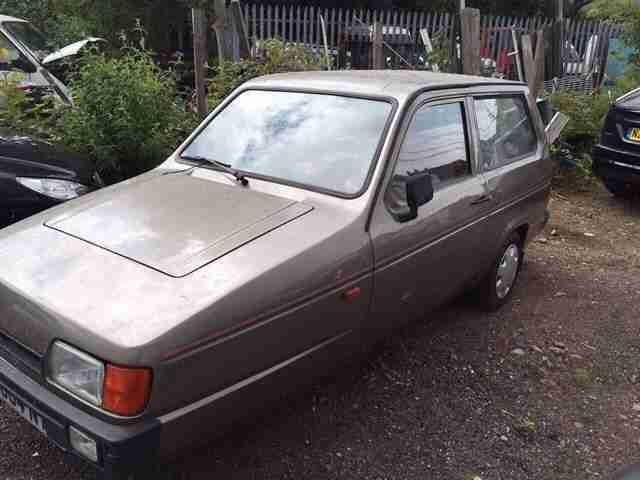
507 270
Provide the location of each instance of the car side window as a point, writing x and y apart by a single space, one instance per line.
436 143
505 130
8 53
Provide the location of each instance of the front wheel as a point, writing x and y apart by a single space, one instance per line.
498 286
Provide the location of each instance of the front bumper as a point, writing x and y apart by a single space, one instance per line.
122 449
619 166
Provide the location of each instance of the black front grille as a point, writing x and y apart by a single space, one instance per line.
20 357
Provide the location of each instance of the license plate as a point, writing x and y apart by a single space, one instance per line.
23 408
633 134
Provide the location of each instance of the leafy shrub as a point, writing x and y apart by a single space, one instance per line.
586 116
439 55
629 81
13 102
21 112
126 113
274 56
586 113
611 10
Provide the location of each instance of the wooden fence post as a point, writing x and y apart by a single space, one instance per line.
240 29
377 47
470 32
200 54
540 63
558 40
325 42
224 31
533 65
451 25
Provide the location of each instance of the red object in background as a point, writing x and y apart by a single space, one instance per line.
504 64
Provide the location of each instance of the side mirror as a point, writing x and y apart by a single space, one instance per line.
419 190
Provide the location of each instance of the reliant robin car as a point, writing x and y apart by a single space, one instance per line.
307 216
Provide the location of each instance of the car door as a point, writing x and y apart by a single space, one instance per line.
18 65
511 147
423 262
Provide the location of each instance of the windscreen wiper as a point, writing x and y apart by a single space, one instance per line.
240 178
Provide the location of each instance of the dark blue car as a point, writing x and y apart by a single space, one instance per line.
35 175
616 159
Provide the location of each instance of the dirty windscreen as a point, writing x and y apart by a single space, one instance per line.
30 37
324 141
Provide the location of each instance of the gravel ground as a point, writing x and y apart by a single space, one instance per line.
547 388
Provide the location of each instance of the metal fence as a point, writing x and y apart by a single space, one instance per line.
586 43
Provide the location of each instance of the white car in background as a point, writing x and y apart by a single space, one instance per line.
25 54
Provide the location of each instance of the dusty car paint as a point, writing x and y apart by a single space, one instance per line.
237 303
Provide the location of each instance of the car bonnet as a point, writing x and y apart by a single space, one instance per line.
178 223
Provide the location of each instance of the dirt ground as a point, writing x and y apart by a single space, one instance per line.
547 388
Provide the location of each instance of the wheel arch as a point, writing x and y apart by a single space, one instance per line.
523 232
519 226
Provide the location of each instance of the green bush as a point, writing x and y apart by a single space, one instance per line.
611 10
13 102
275 57
22 114
126 113
629 81
586 116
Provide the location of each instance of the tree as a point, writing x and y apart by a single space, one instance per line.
65 21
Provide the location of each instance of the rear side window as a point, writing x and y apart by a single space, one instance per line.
435 142
505 129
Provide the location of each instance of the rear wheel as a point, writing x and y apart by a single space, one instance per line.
617 189
497 288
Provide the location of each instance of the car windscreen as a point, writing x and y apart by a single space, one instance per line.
30 37
324 141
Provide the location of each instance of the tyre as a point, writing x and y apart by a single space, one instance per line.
496 289
617 189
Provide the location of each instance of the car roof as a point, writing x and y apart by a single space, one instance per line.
394 83
7 18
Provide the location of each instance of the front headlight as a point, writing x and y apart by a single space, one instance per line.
122 390
53 187
76 372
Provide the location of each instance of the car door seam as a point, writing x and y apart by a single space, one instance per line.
221 335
